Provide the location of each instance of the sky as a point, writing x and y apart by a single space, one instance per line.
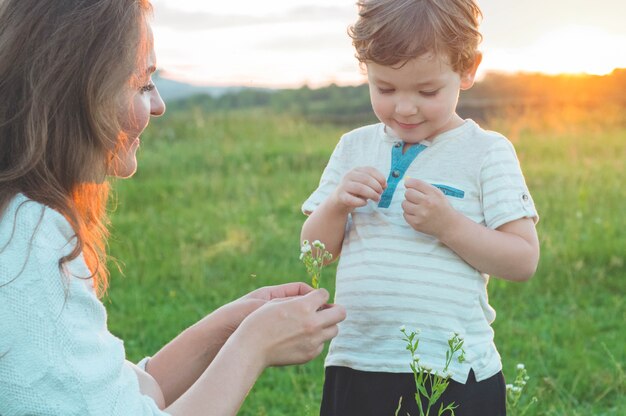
289 43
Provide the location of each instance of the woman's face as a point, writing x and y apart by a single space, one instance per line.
141 101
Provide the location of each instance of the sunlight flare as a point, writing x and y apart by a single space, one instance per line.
566 50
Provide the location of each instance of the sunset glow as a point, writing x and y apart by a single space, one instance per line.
572 50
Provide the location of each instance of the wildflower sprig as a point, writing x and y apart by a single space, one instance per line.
430 384
514 393
314 256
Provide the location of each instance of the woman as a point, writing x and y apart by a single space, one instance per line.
76 94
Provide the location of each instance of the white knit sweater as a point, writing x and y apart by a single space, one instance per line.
57 356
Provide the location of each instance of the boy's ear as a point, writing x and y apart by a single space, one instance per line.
467 78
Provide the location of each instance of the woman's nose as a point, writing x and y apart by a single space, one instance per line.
157 105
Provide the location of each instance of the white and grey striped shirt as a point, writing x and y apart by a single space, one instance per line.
391 275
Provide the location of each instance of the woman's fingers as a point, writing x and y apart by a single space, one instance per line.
316 299
290 290
330 315
329 333
286 290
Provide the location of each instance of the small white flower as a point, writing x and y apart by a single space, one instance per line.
301 256
416 357
509 387
306 247
516 389
520 366
319 244
402 328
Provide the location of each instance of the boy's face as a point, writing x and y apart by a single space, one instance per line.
418 100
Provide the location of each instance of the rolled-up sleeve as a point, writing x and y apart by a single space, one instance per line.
505 196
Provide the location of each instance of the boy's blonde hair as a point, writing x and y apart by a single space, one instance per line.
391 32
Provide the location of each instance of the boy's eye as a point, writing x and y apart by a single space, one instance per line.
385 90
429 93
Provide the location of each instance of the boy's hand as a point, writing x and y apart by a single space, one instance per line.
426 208
359 185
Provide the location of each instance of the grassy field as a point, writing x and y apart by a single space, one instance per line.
214 212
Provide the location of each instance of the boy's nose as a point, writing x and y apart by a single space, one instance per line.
406 108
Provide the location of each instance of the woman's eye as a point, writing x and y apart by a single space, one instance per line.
147 88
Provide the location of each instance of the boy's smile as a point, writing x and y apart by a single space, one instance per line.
418 99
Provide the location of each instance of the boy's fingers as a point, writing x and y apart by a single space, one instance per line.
365 179
376 175
380 178
353 200
414 196
418 185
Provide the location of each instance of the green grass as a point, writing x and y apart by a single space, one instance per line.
214 211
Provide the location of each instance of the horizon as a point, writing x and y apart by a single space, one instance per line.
162 74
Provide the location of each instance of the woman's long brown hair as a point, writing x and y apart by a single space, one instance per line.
63 67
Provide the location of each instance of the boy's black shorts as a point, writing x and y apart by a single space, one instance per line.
349 392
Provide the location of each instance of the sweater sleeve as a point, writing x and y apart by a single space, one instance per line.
57 356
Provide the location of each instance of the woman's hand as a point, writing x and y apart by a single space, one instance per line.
233 313
178 365
292 327
286 290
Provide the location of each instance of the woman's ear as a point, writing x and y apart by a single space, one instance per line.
469 76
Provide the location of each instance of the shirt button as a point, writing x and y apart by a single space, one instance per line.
395 173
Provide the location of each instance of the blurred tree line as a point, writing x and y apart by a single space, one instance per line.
497 94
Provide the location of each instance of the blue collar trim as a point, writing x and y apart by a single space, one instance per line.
400 162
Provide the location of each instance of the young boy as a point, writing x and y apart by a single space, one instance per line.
422 207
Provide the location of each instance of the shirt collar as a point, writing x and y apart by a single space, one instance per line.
391 137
